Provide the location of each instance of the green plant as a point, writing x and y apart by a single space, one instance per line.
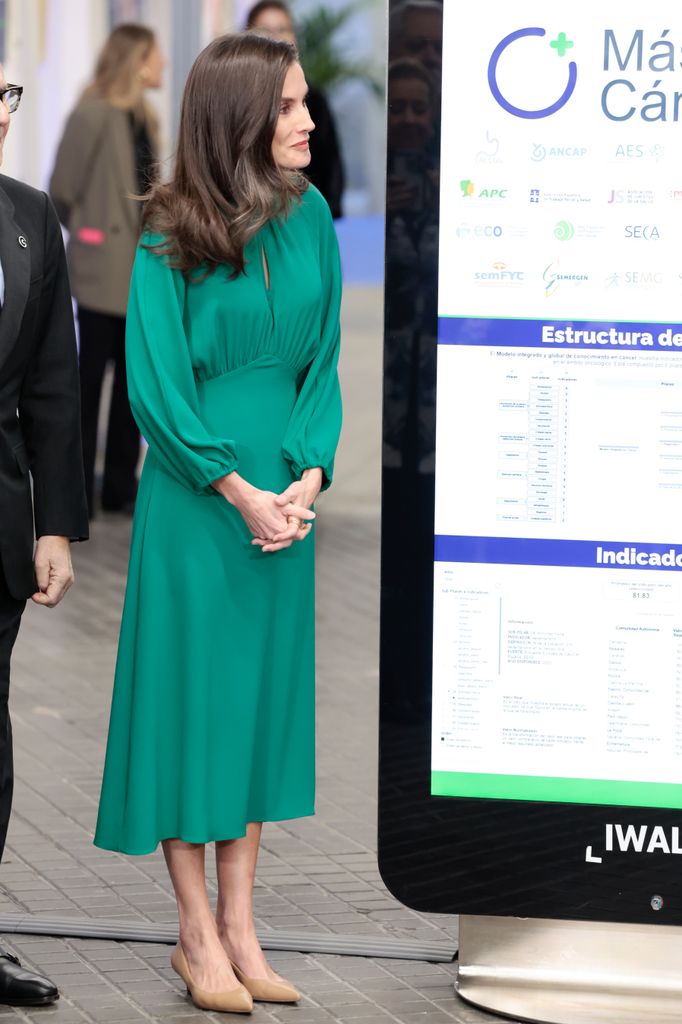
325 64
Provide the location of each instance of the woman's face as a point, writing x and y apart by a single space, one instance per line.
290 145
151 71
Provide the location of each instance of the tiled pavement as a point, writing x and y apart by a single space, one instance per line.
314 874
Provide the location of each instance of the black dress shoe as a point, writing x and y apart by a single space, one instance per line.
21 987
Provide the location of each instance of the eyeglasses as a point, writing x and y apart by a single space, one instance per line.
11 96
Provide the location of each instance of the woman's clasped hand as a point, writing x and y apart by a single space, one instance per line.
275 520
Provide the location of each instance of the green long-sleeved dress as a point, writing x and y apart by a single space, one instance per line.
212 718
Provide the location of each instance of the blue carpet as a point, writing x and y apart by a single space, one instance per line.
361 240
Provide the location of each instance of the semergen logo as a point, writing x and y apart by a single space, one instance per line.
561 45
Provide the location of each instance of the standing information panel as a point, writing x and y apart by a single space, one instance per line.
531 690
558 529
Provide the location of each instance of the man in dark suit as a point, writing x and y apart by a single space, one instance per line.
39 440
325 170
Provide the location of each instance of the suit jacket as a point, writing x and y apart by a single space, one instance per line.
39 402
94 176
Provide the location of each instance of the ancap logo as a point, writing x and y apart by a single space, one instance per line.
540 152
561 45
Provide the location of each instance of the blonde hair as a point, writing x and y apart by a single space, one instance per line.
116 77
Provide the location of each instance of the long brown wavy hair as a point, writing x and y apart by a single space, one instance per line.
225 185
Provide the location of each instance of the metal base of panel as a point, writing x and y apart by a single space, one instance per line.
571 972
301 942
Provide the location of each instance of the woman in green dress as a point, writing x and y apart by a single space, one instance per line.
232 346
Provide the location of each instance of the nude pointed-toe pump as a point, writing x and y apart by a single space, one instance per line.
235 1000
265 991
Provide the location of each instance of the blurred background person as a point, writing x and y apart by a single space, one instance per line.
417 32
326 166
106 156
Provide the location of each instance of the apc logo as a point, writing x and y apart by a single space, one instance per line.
561 45
468 189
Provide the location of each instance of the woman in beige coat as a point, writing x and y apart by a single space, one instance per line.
106 156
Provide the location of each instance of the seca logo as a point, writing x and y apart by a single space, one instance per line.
648 232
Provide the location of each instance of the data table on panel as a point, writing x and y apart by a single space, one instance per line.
533 451
560 444
516 692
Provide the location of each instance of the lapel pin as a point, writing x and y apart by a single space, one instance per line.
22 242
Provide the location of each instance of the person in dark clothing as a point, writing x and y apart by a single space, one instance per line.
42 494
326 166
108 154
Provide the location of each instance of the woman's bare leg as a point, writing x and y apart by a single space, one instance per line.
206 957
236 870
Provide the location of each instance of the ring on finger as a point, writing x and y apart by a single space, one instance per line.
295 519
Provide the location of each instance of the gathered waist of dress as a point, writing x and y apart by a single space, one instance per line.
252 407
206 375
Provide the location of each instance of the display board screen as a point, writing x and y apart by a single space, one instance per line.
557 627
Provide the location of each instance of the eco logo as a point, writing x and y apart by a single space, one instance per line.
564 230
561 45
478 231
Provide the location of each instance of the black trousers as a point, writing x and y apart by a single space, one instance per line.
10 617
102 340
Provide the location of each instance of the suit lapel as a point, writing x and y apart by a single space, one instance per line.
15 256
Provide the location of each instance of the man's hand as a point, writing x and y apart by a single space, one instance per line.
54 572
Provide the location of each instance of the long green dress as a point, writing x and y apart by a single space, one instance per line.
212 718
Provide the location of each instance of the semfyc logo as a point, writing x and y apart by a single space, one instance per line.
561 45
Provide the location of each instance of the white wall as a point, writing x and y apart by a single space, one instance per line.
52 46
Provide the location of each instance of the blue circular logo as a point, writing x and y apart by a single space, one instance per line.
561 44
